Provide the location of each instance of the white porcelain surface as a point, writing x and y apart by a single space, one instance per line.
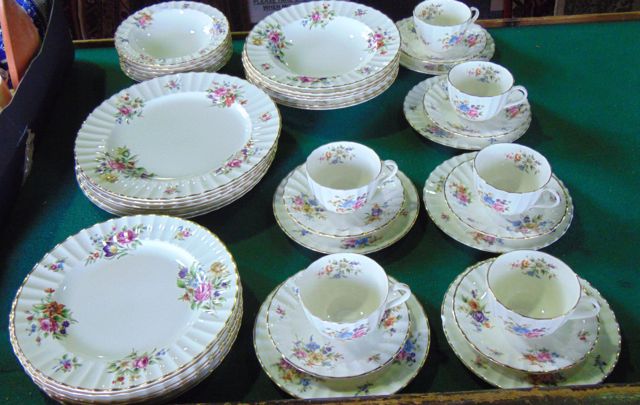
305 348
435 202
442 24
521 347
389 380
592 370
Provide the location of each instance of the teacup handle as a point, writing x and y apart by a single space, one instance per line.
553 203
588 307
403 290
475 13
519 99
392 169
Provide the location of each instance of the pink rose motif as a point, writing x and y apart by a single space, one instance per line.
117 166
124 110
300 354
229 100
203 292
220 91
544 356
126 237
298 200
360 332
316 16
274 37
141 362
234 163
48 325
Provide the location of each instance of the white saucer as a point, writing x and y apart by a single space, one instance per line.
441 214
304 208
304 347
420 121
490 336
593 370
372 242
441 112
388 381
465 203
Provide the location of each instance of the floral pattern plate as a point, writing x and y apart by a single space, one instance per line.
436 205
305 348
441 112
196 132
493 338
389 380
373 242
69 333
592 370
304 208
420 121
464 202
323 44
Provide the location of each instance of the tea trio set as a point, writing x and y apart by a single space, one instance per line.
340 327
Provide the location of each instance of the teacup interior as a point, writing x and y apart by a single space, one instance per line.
512 168
343 166
443 13
340 47
481 79
173 33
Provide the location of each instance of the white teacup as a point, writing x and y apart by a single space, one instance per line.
344 175
534 293
478 90
441 24
345 295
512 178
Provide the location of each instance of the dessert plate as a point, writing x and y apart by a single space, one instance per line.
405 366
369 243
67 332
498 342
592 370
304 347
194 131
464 202
440 213
420 121
441 112
303 208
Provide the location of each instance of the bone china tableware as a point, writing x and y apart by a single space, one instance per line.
402 369
597 365
441 24
80 343
512 178
344 175
441 214
305 348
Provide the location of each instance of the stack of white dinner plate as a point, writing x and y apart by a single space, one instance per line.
129 310
323 55
183 145
173 37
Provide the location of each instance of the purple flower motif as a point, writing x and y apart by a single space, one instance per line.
110 249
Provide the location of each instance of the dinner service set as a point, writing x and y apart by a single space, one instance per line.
323 55
526 319
133 309
341 327
173 37
345 198
183 144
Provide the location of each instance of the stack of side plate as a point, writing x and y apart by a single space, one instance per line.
173 37
323 55
183 145
128 310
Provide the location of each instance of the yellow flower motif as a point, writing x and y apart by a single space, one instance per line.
218 268
256 41
109 177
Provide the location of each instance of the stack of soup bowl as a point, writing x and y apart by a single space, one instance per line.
323 55
173 37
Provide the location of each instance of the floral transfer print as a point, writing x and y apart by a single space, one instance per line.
524 330
365 70
359 243
308 80
308 206
583 335
496 204
348 333
467 109
237 159
436 131
546 379
599 363
451 40
273 38
225 94
115 244
430 12
389 320
143 19
49 318
67 364
535 267
480 362
349 203
408 352
319 16
374 358
127 108
130 368
376 213
217 27
182 233
291 375
56 266
525 162
281 312
528 224
461 193
480 238
363 389
120 161
314 355
171 190
378 40
339 154
515 110
540 356
266 66
485 74
173 85
476 311
203 289
359 12
266 117
342 268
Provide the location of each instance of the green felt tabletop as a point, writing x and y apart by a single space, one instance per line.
583 86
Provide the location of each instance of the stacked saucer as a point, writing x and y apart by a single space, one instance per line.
166 314
173 37
183 145
581 352
323 55
475 44
363 361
